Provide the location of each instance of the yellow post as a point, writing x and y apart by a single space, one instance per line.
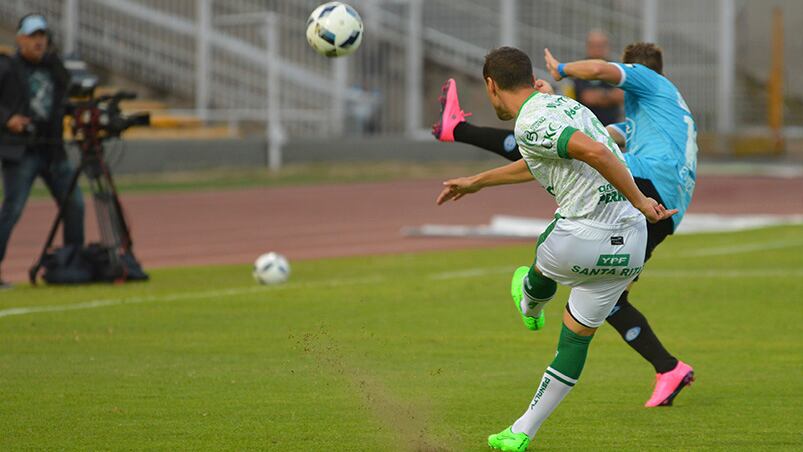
775 85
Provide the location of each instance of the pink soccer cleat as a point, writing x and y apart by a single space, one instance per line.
451 114
669 384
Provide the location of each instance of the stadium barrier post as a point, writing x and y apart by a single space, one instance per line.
649 27
340 81
415 58
727 68
70 14
273 129
203 31
775 104
508 30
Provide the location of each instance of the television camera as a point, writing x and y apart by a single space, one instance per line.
94 120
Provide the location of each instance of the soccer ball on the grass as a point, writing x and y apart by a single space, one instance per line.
271 268
334 29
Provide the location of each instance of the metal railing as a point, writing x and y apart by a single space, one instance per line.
237 56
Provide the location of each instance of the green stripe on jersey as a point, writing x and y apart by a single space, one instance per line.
546 233
563 142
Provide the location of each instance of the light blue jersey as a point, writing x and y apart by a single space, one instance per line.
661 135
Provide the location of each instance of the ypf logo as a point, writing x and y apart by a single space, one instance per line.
613 260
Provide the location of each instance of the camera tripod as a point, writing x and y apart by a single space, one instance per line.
91 126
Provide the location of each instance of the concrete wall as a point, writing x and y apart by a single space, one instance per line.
147 156
137 157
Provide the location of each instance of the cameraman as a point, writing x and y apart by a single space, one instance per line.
33 85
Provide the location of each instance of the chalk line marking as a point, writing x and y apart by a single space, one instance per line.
746 248
182 296
458 274
472 272
707 273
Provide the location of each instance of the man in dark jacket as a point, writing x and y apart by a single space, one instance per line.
33 85
604 100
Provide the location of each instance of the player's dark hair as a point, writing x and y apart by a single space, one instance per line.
644 53
509 68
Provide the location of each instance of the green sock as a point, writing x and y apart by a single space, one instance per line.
538 287
571 356
537 291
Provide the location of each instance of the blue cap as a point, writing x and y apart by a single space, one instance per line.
32 24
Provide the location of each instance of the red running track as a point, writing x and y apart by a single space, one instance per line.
234 226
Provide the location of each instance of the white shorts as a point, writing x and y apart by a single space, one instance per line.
597 261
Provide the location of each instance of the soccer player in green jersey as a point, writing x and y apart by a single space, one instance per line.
595 245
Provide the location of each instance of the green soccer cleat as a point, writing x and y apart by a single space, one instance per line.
531 323
508 441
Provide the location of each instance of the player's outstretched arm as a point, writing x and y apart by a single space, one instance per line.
513 173
599 157
583 69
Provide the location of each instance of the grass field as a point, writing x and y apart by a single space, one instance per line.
405 352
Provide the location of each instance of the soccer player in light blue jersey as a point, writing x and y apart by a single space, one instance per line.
661 142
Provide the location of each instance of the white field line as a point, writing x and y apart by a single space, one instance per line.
182 296
722 273
762 273
746 248
472 272
460 274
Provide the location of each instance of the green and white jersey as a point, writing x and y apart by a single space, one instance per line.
543 127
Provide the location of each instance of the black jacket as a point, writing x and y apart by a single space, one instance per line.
15 99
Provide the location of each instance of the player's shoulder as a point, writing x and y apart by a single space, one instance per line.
633 66
549 105
539 109
639 71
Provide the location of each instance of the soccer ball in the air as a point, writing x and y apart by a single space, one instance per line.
334 29
271 268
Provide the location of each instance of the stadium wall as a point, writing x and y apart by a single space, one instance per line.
156 156
162 156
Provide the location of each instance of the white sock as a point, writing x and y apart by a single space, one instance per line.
548 396
530 306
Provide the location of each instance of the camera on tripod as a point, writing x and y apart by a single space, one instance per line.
101 117
93 120
97 117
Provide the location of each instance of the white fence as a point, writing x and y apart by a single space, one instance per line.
248 59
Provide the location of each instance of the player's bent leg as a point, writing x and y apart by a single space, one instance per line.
672 375
594 293
531 291
637 333
499 141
